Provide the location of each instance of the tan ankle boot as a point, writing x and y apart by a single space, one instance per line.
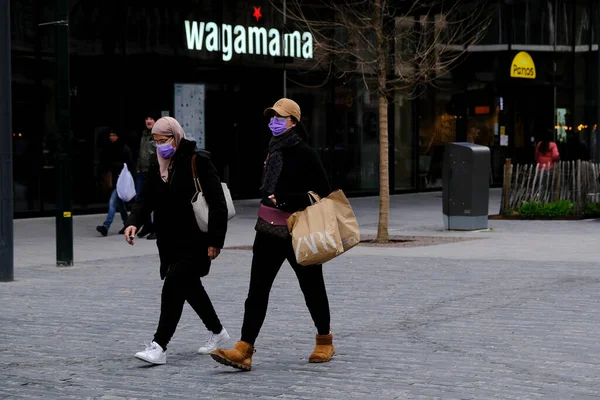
324 349
239 357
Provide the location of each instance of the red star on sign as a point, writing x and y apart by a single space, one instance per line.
257 13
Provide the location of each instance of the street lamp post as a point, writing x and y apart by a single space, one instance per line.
6 172
64 202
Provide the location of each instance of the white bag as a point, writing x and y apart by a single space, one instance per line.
125 185
200 205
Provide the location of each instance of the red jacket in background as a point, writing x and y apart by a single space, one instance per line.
550 157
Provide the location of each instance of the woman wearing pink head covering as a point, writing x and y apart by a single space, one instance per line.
185 252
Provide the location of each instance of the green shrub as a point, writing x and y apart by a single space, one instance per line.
533 209
592 210
509 212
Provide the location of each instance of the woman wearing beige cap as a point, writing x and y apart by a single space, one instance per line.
292 169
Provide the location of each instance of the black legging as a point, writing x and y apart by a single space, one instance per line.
269 254
183 283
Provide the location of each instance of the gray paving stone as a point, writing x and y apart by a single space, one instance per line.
457 329
514 316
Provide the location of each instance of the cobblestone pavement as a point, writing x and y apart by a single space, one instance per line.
442 324
404 329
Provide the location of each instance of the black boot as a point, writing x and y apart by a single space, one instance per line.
122 231
152 236
102 229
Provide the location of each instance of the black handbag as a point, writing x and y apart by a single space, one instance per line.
272 221
280 231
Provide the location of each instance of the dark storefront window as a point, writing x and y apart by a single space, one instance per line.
353 149
541 22
564 26
494 32
437 127
534 22
126 58
582 24
594 18
33 105
520 11
578 143
403 142
550 22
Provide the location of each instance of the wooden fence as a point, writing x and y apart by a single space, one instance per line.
574 181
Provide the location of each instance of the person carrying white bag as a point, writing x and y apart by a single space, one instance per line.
186 252
114 159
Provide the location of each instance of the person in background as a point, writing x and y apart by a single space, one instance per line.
113 156
473 135
292 169
147 155
185 252
546 151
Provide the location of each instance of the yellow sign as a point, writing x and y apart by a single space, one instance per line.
522 66
502 131
67 214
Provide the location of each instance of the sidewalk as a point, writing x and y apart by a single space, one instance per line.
515 315
414 215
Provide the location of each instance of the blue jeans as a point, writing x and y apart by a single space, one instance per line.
113 204
140 179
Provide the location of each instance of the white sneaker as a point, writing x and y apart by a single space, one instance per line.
154 354
214 342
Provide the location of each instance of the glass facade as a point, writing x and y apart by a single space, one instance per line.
126 58
436 128
483 104
404 154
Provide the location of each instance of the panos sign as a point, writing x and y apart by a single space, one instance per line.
523 66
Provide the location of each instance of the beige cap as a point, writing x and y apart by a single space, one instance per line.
285 108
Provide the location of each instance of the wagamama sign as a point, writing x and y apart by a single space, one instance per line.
247 40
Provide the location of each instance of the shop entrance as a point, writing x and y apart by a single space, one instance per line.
530 111
519 113
237 130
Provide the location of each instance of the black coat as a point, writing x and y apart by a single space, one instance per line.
112 158
301 173
178 237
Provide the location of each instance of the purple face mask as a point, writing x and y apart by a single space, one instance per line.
277 126
166 150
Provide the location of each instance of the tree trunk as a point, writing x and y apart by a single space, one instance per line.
384 175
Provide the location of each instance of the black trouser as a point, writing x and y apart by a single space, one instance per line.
182 283
269 254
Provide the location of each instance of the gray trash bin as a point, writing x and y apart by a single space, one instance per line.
466 189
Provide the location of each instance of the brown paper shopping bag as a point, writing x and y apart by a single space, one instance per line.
347 223
315 233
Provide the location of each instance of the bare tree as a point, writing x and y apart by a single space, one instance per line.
399 45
